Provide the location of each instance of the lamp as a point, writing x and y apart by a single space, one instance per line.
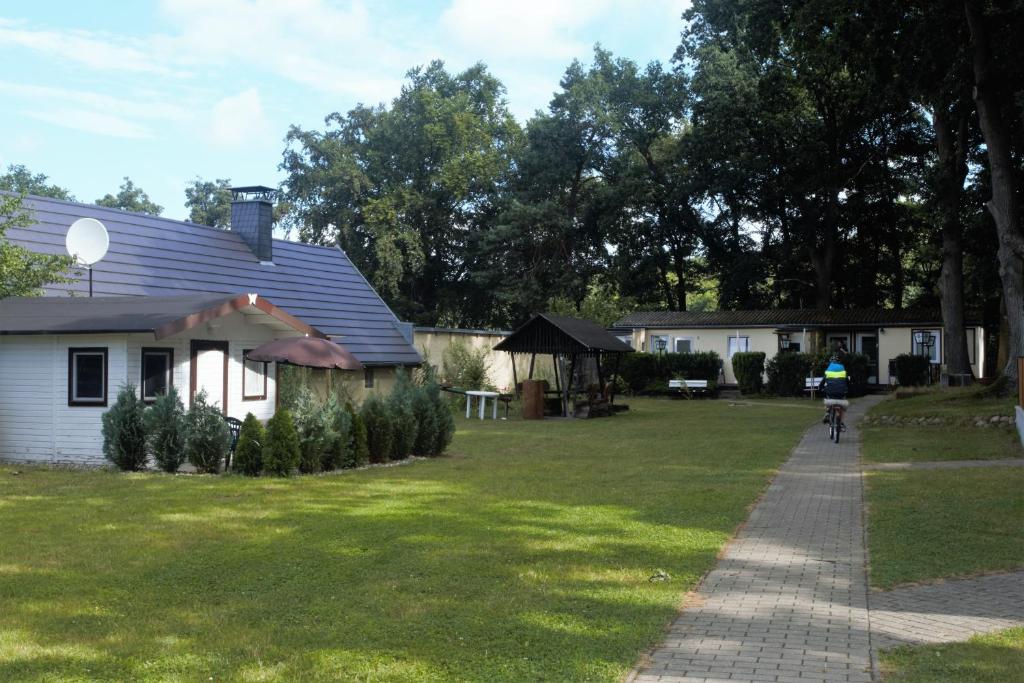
660 343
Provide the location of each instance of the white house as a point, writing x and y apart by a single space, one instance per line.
881 334
63 360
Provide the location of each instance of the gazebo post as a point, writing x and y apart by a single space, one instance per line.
533 359
515 380
618 359
568 385
554 364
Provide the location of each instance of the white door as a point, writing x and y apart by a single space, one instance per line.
209 371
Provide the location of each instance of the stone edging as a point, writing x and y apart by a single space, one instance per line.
900 421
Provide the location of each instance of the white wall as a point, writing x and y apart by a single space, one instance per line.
717 340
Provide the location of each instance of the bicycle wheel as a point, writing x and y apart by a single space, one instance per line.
831 423
836 426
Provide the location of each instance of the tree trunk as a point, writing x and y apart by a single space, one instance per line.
1002 205
951 147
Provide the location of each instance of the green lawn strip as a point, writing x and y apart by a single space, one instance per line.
946 403
930 524
911 443
525 555
989 658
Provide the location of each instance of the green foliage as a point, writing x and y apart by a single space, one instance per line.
379 428
911 370
20 180
248 457
209 202
425 401
207 435
360 447
445 424
338 452
603 304
465 367
130 197
314 432
650 372
165 430
24 272
748 366
124 431
788 372
404 425
281 450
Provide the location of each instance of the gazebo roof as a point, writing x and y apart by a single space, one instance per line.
545 333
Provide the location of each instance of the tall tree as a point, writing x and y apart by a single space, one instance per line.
209 202
22 181
130 197
24 272
403 189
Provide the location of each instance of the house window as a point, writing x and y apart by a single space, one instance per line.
738 345
254 378
157 371
368 378
934 352
87 376
659 343
684 345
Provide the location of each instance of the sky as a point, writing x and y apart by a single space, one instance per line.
95 90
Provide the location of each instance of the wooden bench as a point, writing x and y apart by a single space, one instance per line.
689 387
811 384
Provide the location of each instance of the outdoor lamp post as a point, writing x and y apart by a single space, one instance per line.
784 342
660 343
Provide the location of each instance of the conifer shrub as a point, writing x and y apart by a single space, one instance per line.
311 425
338 450
424 406
748 366
359 446
281 452
377 419
124 431
249 451
165 431
207 435
445 423
404 425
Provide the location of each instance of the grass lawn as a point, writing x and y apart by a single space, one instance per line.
908 443
948 403
991 658
526 555
929 524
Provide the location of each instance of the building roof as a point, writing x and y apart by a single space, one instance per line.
546 333
152 256
162 315
806 317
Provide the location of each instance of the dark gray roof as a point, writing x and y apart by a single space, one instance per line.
545 333
152 256
831 317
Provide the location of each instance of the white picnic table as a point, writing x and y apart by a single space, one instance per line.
482 397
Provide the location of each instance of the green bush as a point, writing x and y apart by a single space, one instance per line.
445 422
281 452
424 406
338 451
360 448
379 434
858 369
249 451
787 373
912 371
465 367
403 417
650 373
165 431
311 425
748 366
124 431
207 436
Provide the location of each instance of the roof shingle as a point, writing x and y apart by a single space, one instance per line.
831 317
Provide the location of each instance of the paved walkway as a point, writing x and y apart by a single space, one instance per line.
944 464
788 601
949 611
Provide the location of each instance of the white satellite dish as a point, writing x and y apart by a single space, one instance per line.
87 241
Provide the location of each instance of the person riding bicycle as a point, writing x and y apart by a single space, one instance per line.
834 385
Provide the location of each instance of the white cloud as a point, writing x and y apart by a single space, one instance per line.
93 122
238 118
85 99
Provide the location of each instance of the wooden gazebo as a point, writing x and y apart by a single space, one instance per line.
570 342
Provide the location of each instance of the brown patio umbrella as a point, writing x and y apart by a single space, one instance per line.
311 352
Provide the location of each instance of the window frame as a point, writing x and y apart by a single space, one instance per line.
654 346
266 371
936 349
675 344
103 352
368 378
165 350
728 344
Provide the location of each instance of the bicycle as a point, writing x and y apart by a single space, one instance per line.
835 423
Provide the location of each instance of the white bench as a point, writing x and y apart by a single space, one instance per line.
687 387
811 384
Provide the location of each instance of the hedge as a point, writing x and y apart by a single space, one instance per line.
788 372
748 366
650 373
912 371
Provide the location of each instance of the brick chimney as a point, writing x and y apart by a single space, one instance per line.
252 217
